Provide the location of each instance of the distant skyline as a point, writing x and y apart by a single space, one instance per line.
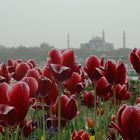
31 22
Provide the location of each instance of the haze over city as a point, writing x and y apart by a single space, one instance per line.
31 22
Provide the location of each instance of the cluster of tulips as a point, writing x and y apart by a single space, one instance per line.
65 101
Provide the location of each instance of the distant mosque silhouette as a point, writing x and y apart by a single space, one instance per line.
98 43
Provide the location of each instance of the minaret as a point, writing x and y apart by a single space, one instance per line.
103 35
124 40
68 41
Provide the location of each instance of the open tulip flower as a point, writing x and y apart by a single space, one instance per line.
61 63
128 122
16 96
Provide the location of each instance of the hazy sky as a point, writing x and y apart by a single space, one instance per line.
31 22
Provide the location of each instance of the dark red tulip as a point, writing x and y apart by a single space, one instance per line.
89 99
121 92
75 83
4 93
33 85
47 73
26 127
68 107
18 97
121 73
80 135
32 61
92 62
128 122
103 87
20 71
8 114
71 109
44 85
110 71
60 64
68 59
33 73
60 72
5 73
135 59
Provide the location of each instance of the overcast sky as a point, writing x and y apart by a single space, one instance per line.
31 22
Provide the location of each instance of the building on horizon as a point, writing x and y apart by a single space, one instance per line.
98 43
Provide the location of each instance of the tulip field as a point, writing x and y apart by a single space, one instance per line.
64 100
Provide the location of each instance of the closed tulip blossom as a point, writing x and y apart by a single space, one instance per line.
69 108
103 88
89 99
121 92
128 122
135 59
93 62
115 73
33 85
20 71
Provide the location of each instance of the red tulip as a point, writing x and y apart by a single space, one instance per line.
121 73
103 87
20 71
47 73
68 107
121 92
18 97
33 85
80 135
5 73
60 72
8 114
44 85
33 73
26 127
60 64
110 71
75 83
128 122
55 57
135 59
49 98
4 93
92 62
89 99
32 61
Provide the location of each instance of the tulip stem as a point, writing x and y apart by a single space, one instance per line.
95 99
17 131
59 112
43 109
115 103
